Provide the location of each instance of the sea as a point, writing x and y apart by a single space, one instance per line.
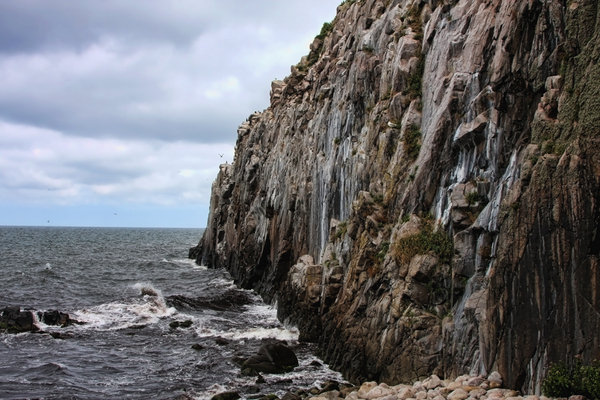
132 290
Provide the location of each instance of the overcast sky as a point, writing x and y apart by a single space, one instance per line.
117 112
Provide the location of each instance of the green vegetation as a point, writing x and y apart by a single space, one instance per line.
349 2
326 29
368 49
411 140
385 247
341 230
423 242
563 381
472 197
377 198
415 80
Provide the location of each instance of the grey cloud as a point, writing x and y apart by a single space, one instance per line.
144 68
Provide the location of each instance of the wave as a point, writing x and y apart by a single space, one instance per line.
149 308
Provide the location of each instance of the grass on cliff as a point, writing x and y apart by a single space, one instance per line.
563 381
411 140
423 242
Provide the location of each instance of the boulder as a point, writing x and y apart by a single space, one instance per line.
54 317
226 396
495 380
273 358
13 320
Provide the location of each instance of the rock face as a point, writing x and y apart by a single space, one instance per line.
422 194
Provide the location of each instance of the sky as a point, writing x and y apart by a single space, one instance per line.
119 112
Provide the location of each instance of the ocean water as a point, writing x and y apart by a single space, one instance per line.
127 287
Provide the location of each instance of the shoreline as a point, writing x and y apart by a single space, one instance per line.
465 387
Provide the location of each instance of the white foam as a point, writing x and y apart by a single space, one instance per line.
188 262
224 283
267 315
279 333
147 309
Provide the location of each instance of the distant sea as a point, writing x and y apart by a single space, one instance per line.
128 286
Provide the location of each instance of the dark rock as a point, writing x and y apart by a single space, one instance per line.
249 372
226 396
54 317
329 386
260 380
14 320
180 324
221 341
290 396
316 364
273 358
183 397
231 299
253 389
239 361
197 347
186 324
345 389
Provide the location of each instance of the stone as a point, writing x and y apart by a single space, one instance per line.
422 266
433 382
366 388
453 386
15 321
226 396
421 396
274 358
476 381
458 394
405 393
495 379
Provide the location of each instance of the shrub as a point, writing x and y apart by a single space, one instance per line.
563 381
341 230
415 80
423 242
326 29
472 197
411 140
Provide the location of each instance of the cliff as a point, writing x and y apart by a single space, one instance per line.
422 194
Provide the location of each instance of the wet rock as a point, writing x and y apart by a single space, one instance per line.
54 317
197 347
226 396
13 320
222 342
273 358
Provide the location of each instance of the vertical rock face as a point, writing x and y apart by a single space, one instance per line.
422 194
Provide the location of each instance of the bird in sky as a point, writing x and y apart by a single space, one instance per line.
221 155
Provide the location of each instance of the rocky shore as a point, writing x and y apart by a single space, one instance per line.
465 387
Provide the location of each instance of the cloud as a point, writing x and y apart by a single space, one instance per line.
41 166
146 69
130 102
